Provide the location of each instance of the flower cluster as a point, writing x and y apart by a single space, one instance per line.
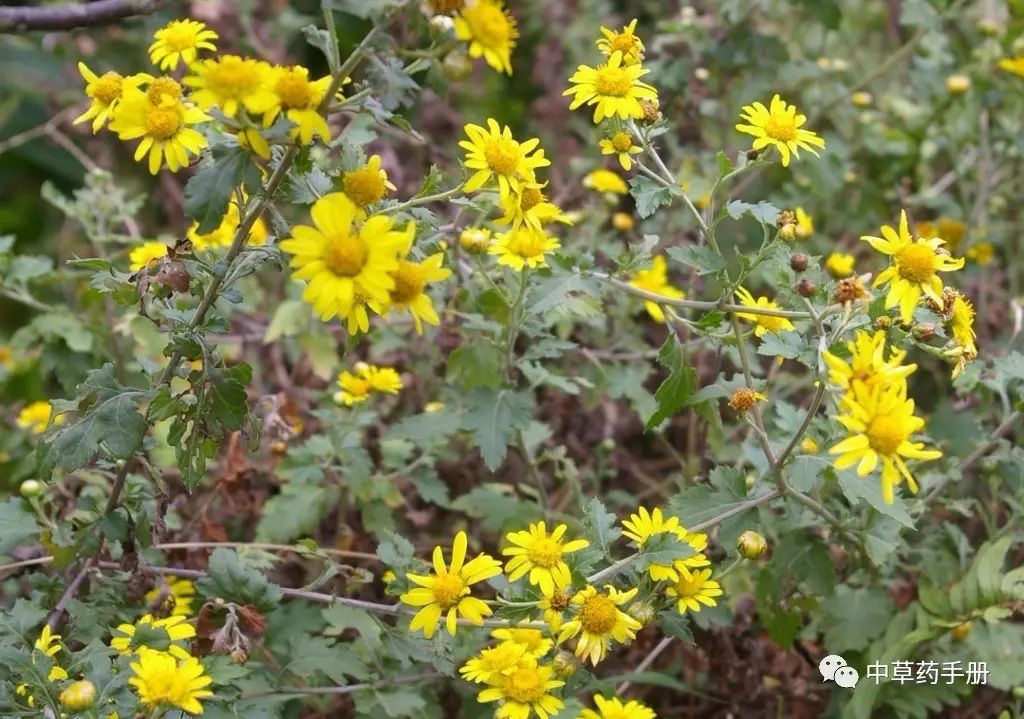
366 380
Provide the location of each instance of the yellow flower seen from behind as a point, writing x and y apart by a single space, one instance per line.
764 323
490 31
602 180
35 417
367 379
840 264
180 41
493 663
173 596
644 524
523 248
780 126
537 645
154 634
867 365
541 556
163 681
614 89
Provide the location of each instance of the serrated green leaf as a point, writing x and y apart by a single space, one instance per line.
649 195
234 581
705 260
678 388
494 418
208 192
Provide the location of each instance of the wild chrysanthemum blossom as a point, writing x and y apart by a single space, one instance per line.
599 621
224 234
880 422
622 145
626 42
154 634
230 83
961 323
537 645
494 154
644 524
615 709
162 681
1013 64
778 125
602 180
409 291
765 323
542 555
35 417
180 41
655 279
490 31
614 89
693 590
553 608
530 206
367 379
49 644
367 185
162 121
840 264
524 691
804 224
173 596
345 265
523 248
298 98
946 228
493 663
446 592
145 254
867 365
914 270
104 91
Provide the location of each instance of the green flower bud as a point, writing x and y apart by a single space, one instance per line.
751 545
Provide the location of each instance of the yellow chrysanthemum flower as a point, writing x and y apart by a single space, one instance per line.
163 681
778 125
180 41
914 268
447 590
105 92
626 42
490 30
523 248
493 663
524 691
804 224
553 608
655 279
981 253
49 644
146 253
880 421
614 89
694 590
614 709
35 417
409 293
154 634
345 266
530 206
494 154
622 145
1013 64
840 264
599 621
765 323
224 234
867 365
602 180
356 387
162 120
644 524
537 645
961 324
950 230
367 185
542 555
231 83
298 98
173 596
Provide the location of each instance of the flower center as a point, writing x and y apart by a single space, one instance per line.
559 601
178 38
293 89
598 614
163 122
489 25
409 282
622 141
502 156
345 255
886 434
917 262
526 244
107 87
163 86
780 127
624 43
613 81
525 686
364 186
448 589
530 198
545 552
687 586
233 77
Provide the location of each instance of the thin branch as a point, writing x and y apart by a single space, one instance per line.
68 17
646 663
348 689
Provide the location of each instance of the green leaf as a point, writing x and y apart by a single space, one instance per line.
553 292
340 618
600 526
678 388
869 489
705 260
787 344
228 399
855 617
494 418
290 318
649 195
677 625
17 525
477 364
396 551
235 582
764 212
313 655
804 471
664 549
807 560
295 512
208 192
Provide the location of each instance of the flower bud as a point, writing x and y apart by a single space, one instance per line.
806 288
924 331
798 262
608 444
79 696
960 631
883 323
787 232
475 240
456 64
751 545
30 488
564 665
861 99
642 612
958 84
623 221
651 108
987 26
702 74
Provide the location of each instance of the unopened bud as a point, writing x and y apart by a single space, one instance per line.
752 154
751 545
642 612
989 27
958 84
623 221
79 696
924 331
30 488
960 631
564 665
788 232
278 448
456 64
806 288
861 99
883 323
798 262
608 444
475 240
